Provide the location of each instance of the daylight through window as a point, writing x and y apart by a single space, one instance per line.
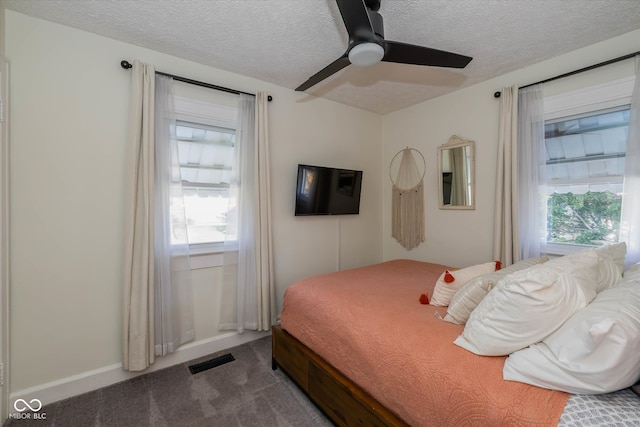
585 171
206 156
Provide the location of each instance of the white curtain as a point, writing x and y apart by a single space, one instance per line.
148 265
532 180
174 321
249 288
506 244
630 217
138 265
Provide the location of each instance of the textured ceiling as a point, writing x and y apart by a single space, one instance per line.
286 41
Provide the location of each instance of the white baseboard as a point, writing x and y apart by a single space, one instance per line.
92 380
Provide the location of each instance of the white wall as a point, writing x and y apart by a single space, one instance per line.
68 129
461 238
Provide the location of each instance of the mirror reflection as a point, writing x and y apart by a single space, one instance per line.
456 169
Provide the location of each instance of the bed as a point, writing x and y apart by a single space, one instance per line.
364 349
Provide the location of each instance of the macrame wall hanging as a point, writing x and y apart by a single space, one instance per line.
407 199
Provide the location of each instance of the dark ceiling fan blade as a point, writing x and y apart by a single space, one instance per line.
356 20
327 71
412 54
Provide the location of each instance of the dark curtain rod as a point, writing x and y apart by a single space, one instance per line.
126 65
581 70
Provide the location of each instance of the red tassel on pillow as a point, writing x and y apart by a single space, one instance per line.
424 299
448 277
498 265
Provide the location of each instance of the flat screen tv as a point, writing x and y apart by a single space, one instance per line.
327 191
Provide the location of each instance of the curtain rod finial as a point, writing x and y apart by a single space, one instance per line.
497 94
125 64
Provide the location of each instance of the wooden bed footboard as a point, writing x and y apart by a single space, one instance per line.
343 401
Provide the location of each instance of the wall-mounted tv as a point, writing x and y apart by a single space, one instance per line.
327 191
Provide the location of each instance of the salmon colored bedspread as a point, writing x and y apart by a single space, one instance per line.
368 323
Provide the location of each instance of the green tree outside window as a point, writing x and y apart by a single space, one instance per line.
587 219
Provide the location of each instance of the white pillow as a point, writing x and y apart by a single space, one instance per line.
596 351
616 251
528 305
446 288
611 265
632 271
469 296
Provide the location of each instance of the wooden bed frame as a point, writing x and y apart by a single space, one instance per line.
340 399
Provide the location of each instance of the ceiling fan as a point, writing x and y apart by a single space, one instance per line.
367 45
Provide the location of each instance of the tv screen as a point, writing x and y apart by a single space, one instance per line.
327 191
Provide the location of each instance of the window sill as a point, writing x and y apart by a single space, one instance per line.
561 249
210 255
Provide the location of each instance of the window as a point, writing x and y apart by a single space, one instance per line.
585 170
585 140
206 137
206 157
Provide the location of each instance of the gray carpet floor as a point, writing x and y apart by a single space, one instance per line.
243 392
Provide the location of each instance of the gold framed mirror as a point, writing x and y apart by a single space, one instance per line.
456 174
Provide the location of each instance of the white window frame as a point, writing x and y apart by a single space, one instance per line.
613 94
205 255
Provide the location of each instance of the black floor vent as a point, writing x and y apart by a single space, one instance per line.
203 366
